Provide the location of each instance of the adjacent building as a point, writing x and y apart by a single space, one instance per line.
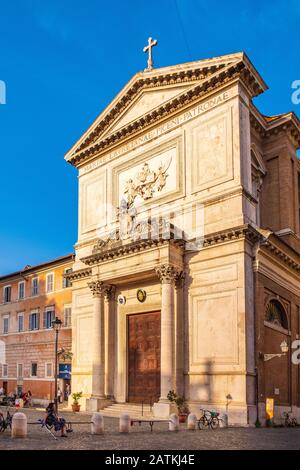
153 312
30 300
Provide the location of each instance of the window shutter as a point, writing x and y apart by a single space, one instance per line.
45 319
30 322
38 321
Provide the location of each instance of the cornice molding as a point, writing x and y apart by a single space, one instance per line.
242 232
220 76
251 234
283 256
79 274
126 249
102 253
170 78
265 270
265 127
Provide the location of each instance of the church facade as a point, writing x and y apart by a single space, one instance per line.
187 259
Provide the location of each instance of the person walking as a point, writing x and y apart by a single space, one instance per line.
29 397
67 392
59 395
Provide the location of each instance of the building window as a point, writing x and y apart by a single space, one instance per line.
35 286
49 316
20 322
50 282
21 290
20 371
4 370
5 325
33 369
276 315
49 369
34 321
66 281
67 316
7 294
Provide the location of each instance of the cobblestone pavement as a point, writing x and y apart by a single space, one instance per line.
141 438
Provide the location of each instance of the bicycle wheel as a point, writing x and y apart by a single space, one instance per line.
8 420
214 424
203 423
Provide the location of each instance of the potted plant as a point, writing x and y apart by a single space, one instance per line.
181 405
75 405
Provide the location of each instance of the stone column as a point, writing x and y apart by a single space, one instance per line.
110 325
98 399
167 275
179 334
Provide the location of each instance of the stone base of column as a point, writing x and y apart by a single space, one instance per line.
94 404
162 409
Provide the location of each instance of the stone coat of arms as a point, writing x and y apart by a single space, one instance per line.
147 182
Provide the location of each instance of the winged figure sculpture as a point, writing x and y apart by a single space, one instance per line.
146 182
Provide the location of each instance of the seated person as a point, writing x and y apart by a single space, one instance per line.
24 397
29 398
52 419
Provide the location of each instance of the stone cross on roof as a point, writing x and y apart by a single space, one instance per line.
151 43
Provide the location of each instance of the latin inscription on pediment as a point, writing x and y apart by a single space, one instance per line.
160 130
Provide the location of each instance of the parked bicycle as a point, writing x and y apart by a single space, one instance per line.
8 401
289 421
209 419
5 422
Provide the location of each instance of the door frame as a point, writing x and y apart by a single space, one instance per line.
127 344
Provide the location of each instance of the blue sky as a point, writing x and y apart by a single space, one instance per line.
63 61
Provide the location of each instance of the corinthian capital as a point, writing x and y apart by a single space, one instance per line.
100 289
179 280
167 273
110 292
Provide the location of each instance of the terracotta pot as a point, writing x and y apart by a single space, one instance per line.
75 407
182 418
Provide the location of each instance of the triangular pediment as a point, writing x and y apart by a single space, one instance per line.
147 101
144 97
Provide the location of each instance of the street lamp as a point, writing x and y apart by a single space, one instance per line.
284 349
56 324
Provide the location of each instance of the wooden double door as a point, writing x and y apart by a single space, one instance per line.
144 357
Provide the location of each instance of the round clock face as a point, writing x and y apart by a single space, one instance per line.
141 295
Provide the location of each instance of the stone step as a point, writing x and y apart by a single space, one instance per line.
132 415
121 407
134 410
